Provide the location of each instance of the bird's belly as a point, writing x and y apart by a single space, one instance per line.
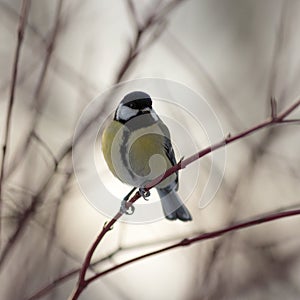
141 159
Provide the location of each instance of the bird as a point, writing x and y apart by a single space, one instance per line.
137 148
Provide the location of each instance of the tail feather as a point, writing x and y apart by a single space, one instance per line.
172 205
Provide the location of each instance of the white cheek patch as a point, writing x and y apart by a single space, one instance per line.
125 113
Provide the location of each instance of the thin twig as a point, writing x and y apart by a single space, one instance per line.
273 108
201 236
32 207
70 274
132 12
156 17
36 200
49 51
204 236
58 201
277 49
29 211
25 218
21 32
61 67
50 47
291 121
190 61
82 282
46 147
255 156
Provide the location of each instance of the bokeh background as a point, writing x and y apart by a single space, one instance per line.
237 54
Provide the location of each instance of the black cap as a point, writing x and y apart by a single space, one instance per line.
138 99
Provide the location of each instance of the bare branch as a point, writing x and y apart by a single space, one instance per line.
155 18
62 68
82 282
273 108
70 274
193 64
32 207
132 11
49 49
291 121
46 147
50 46
204 236
21 32
30 210
277 49
58 201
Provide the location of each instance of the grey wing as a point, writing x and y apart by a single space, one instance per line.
168 147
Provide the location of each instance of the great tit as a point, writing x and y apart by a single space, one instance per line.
137 148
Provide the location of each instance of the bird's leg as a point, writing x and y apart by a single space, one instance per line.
129 194
130 210
181 159
144 193
124 209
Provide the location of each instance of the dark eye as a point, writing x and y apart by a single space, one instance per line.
131 105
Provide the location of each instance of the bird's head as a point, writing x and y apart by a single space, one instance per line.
133 104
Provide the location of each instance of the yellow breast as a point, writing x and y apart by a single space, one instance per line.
136 157
108 136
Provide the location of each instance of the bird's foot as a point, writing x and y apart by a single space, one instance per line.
144 193
125 209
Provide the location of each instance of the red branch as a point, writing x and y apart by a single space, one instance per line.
202 237
185 242
275 119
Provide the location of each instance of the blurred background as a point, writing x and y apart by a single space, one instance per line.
237 54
